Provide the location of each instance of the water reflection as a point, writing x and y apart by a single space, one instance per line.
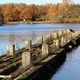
19 38
17 34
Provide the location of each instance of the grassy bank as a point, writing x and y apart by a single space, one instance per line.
37 22
27 22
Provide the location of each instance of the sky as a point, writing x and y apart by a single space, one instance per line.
36 1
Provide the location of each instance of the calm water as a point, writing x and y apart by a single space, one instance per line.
70 70
17 34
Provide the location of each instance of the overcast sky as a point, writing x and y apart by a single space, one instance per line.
36 1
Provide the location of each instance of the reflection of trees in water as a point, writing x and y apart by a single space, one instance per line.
19 39
11 38
16 39
33 35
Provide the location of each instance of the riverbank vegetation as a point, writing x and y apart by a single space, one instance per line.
65 12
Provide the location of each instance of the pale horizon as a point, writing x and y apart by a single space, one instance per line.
39 2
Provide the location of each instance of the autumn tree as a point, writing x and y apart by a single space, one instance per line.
33 11
42 12
10 13
53 11
59 12
63 12
1 15
25 14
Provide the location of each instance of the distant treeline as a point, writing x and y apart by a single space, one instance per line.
56 13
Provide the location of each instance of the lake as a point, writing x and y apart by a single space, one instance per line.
17 34
70 70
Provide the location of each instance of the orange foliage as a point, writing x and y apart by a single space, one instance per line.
10 13
25 15
53 10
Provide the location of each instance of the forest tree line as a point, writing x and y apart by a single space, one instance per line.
56 13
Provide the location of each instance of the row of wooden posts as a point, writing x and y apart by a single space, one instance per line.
59 38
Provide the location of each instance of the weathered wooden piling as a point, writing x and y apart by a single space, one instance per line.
54 35
64 32
28 44
68 36
73 35
79 32
62 41
40 40
45 38
60 33
11 49
45 50
26 59
65 40
48 36
68 31
56 43
76 33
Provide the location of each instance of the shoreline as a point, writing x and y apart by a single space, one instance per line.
34 22
26 22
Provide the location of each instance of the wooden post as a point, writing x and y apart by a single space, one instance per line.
65 40
11 49
28 44
46 37
76 33
56 43
26 59
73 35
67 31
64 32
79 32
60 33
45 50
40 40
68 36
54 35
62 41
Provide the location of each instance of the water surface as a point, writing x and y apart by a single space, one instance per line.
17 34
70 70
